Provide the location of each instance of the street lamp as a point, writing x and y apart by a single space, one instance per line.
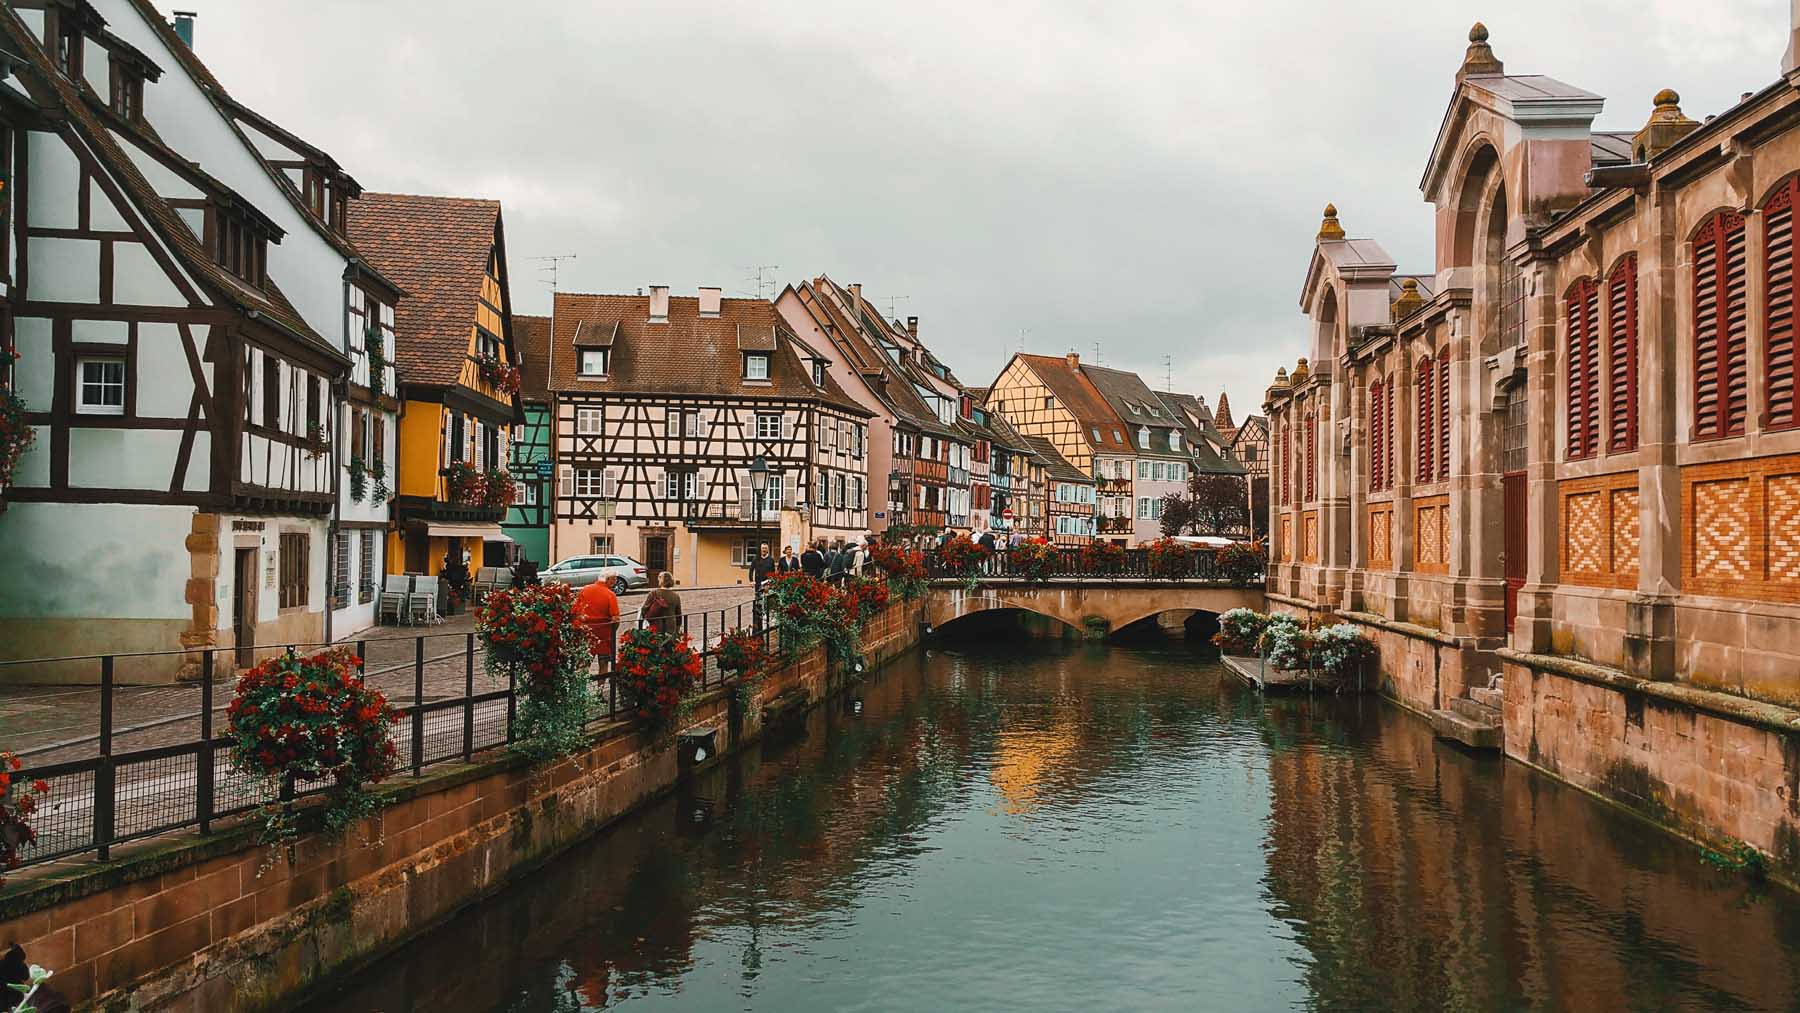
759 483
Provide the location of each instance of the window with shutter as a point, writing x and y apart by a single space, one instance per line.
1622 341
565 481
1427 399
1376 408
1581 312
1312 448
1720 361
1780 393
1443 415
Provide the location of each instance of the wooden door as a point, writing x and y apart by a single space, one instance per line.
418 551
243 608
1513 491
656 555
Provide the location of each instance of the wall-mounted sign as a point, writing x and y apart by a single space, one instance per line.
545 468
247 525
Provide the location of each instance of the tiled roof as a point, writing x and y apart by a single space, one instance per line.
269 303
437 249
531 342
1133 401
897 393
1075 393
689 354
1056 466
1611 147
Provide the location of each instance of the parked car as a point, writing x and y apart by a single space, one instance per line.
622 572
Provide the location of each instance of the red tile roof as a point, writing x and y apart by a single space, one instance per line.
1078 396
531 340
689 354
437 249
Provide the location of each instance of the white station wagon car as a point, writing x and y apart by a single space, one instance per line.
622 572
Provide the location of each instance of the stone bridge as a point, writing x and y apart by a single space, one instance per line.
1086 604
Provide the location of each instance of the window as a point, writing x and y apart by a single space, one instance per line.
680 485
768 426
858 500
1049 401
365 573
818 373
1096 432
1177 471
527 492
756 366
340 569
1721 360
238 247
1515 434
588 483
1443 415
769 502
838 490
680 423
588 421
100 385
378 429
127 90
1378 436
68 42
1143 471
1781 394
1581 314
594 361
600 545
271 391
820 498
856 440
1621 332
1143 508
486 345
1427 403
312 402
1174 440
294 564
1312 455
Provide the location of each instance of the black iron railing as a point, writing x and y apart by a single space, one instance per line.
173 770
1200 566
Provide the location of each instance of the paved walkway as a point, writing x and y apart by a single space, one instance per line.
55 724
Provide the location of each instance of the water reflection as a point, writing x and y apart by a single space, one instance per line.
1068 826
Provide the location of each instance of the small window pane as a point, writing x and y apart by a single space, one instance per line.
102 386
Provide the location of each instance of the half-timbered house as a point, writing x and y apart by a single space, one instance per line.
183 474
664 406
527 521
188 117
458 371
1068 496
1050 397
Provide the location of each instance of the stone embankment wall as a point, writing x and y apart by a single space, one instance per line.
209 924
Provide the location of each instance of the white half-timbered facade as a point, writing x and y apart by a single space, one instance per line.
662 406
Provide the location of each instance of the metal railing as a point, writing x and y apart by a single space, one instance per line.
179 773
1201 566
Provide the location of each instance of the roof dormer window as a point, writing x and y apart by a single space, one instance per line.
1144 437
238 246
756 366
127 90
63 32
1174 441
818 372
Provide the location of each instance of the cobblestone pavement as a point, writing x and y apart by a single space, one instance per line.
54 724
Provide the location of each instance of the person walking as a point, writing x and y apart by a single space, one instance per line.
661 610
597 613
761 567
837 562
788 563
812 561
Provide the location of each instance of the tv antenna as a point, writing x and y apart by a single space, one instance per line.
756 276
1097 360
1168 372
892 299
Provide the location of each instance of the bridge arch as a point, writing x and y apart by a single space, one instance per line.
1116 606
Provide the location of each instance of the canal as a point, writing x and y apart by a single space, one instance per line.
1063 826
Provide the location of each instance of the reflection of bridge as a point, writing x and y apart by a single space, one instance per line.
1118 602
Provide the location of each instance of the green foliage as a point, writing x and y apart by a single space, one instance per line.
533 634
1737 856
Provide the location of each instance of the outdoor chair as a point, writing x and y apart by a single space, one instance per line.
490 578
421 602
394 589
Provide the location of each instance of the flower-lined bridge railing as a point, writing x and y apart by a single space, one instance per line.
1202 565
175 771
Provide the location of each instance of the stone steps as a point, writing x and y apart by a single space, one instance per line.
1488 697
1471 732
1476 711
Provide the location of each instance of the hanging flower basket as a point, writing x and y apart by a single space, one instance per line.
1101 558
16 436
1242 562
1170 559
1032 559
498 488
531 634
657 672
317 444
464 485
904 567
962 556
18 802
808 611
498 375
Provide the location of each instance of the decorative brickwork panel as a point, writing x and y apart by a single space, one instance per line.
1287 538
1381 537
1721 522
1309 536
1431 534
1585 541
1626 534
1782 494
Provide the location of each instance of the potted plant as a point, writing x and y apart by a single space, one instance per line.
1100 558
904 567
1170 559
808 611
498 488
307 718
1241 562
18 801
532 634
1239 631
962 556
1032 559
498 375
464 485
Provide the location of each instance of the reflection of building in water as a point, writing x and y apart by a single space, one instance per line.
1025 758
1374 833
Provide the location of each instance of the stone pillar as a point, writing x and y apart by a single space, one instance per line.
1354 397
1404 446
1650 617
1477 504
1532 631
201 593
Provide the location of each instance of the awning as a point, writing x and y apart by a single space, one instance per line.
488 532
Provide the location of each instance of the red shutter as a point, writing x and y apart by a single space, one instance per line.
1376 435
1391 441
1307 495
1721 363
1572 366
1622 334
1778 307
1582 309
1443 416
1281 463
1426 399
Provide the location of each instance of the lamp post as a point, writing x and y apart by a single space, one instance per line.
759 483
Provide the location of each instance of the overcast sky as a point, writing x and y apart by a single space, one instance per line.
1147 176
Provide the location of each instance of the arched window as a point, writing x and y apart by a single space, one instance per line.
1443 415
1377 435
1721 332
1581 312
1622 342
1782 397
1312 457
1427 400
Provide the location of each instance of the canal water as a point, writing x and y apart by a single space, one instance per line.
997 825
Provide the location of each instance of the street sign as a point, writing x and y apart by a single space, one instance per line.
1006 514
544 468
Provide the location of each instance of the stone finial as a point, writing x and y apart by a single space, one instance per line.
1329 229
1300 370
1409 299
1665 126
1480 58
1281 379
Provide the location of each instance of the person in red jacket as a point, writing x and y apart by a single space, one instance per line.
597 610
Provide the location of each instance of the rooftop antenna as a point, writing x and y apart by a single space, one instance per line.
756 275
1021 341
552 264
1097 360
1168 372
892 299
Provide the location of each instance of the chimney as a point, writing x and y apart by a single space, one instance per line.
184 26
709 301
659 304
856 301
912 323
1074 360
1791 58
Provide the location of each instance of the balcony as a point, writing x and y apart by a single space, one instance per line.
1114 525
